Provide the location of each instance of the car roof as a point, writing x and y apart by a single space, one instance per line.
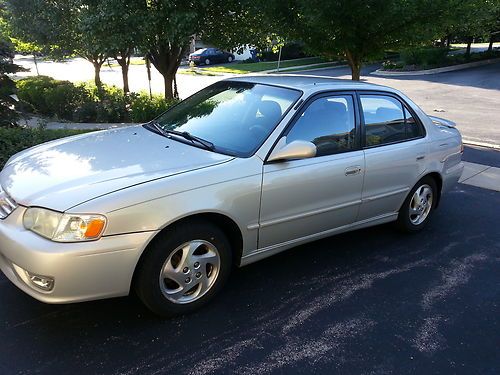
308 82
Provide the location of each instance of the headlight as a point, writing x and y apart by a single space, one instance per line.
64 227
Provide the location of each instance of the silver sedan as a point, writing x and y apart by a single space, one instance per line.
241 170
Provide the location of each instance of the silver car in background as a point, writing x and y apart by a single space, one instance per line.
245 168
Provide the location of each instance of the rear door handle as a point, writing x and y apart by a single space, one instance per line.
421 157
350 171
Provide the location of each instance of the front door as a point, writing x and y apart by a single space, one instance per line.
303 198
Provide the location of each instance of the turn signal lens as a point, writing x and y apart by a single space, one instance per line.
94 228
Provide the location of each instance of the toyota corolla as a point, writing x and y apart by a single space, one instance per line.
243 169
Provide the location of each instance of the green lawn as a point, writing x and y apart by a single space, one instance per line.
243 68
320 66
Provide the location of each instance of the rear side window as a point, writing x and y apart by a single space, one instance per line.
387 121
329 123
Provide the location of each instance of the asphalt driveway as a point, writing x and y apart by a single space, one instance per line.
367 302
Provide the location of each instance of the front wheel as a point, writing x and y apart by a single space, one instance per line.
230 59
183 268
418 206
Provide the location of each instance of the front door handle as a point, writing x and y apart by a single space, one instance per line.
350 171
420 157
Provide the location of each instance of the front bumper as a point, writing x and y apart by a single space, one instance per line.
82 271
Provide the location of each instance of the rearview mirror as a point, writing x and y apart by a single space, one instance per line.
293 151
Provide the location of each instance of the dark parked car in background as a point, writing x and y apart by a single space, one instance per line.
209 56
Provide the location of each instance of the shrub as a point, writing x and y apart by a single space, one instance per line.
143 109
51 97
391 65
427 56
84 102
13 140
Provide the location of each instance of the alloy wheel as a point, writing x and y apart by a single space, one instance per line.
421 204
190 271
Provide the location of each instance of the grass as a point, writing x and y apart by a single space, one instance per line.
244 68
133 61
14 140
320 66
196 72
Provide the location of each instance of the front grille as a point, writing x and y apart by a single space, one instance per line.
7 204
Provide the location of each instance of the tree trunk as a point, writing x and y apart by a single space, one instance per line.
125 67
168 80
355 65
123 59
166 60
448 41
97 73
469 44
490 46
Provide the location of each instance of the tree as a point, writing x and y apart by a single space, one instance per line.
116 25
61 28
169 26
355 29
8 113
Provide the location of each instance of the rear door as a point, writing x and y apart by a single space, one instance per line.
395 149
302 198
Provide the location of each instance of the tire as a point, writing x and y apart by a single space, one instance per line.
230 59
207 61
197 254
415 220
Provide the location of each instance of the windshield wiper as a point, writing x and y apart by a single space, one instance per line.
186 135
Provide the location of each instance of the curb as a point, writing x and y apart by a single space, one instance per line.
291 68
313 69
388 73
481 144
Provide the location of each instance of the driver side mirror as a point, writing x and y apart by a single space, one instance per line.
295 150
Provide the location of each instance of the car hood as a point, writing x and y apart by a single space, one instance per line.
64 173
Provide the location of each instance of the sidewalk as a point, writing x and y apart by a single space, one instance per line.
480 175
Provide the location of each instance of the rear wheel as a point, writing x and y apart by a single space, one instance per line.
418 206
184 268
207 61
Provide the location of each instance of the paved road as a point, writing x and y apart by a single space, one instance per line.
368 302
469 97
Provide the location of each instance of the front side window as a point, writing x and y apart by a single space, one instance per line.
237 117
387 121
329 123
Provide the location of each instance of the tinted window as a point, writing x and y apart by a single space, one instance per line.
384 120
235 116
413 128
329 123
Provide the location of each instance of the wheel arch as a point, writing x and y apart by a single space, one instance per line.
439 184
223 222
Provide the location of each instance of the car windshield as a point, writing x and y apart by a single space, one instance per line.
236 117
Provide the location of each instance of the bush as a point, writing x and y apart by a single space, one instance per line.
51 97
85 102
143 109
289 51
13 140
428 56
